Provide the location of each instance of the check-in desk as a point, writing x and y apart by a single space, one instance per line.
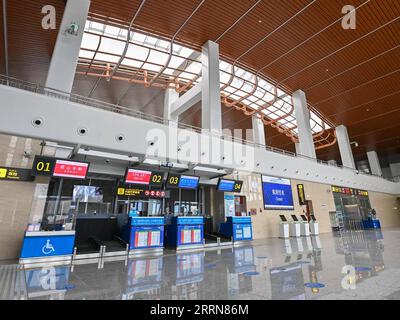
185 232
237 228
47 246
145 234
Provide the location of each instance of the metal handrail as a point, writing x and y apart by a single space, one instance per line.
54 93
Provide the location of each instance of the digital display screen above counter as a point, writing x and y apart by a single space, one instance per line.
189 182
70 169
143 177
182 181
227 185
59 168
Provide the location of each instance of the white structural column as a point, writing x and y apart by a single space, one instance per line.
66 51
297 147
374 164
210 92
169 98
258 130
306 142
344 147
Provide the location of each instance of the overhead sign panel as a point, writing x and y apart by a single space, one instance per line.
134 176
144 177
60 168
189 182
43 166
182 181
15 174
227 185
70 169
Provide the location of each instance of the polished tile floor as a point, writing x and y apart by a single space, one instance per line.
355 265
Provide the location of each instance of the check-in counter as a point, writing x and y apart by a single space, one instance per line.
237 228
145 234
47 246
185 232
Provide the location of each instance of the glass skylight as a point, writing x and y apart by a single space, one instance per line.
103 45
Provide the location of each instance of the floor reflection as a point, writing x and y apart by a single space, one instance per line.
299 269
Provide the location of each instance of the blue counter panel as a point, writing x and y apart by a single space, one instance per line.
47 246
185 231
146 237
242 232
190 234
372 224
238 228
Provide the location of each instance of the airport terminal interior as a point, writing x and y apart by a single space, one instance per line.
199 150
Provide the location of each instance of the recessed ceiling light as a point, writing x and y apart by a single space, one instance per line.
259 21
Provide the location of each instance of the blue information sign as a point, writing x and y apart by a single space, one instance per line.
226 185
42 246
277 193
188 182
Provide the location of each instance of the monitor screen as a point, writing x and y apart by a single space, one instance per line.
134 176
70 169
277 193
283 218
294 217
226 185
188 182
87 194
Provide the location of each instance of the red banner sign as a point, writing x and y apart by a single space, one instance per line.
70 169
138 177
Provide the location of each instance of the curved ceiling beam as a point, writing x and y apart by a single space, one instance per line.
128 38
173 41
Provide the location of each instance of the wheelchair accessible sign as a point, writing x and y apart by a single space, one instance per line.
39 247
